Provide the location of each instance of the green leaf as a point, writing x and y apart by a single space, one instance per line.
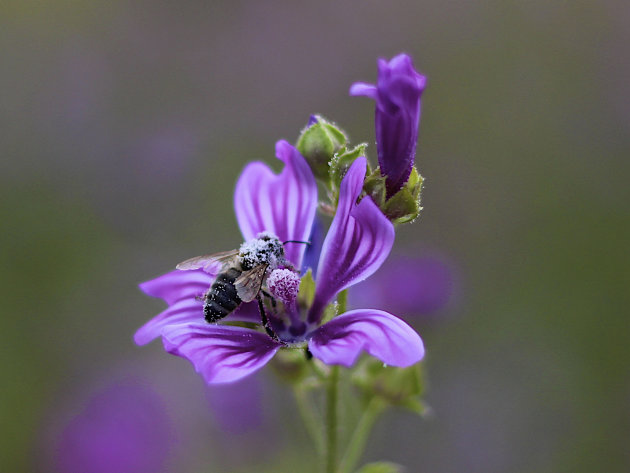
414 183
416 406
374 186
403 207
306 293
381 467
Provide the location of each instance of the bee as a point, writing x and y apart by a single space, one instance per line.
242 274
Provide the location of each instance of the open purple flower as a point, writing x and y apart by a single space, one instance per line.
358 241
397 95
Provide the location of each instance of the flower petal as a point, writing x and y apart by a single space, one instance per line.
190 310
367 90
182 291
177 285
283 204
183 311
382 335
358 241
221 354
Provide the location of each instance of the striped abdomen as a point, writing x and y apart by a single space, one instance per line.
222 298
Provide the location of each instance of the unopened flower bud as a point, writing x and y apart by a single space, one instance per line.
318 143
397 386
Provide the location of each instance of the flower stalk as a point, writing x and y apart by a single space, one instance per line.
332 395
361 433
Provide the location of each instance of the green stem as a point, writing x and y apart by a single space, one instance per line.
321 374
311 421
331 420
332 400
359 438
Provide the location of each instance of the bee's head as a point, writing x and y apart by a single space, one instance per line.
266 248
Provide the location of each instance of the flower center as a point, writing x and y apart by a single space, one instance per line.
284 284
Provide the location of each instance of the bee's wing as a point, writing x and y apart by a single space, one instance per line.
248 284
206 261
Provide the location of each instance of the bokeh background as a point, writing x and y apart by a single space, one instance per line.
123 127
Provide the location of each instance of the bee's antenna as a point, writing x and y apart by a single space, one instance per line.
296 241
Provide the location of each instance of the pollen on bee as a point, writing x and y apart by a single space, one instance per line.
266 248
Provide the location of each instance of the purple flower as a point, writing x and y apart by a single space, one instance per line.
122 429
411 286
397 95
358 241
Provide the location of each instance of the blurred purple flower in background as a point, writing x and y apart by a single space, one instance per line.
121 429
397 95
358 241
408 286
237 407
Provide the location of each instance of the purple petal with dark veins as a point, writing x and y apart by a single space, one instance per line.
358 241
382 335
183 311
177 285
283 204
397 95
221 354
182 290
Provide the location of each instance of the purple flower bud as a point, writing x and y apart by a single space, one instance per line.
397 95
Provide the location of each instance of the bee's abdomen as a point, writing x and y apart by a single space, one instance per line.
222 298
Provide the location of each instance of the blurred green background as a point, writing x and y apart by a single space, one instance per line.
124 126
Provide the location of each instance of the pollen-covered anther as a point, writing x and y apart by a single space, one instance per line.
283 284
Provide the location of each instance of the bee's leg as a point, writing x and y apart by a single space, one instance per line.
265 320
271 298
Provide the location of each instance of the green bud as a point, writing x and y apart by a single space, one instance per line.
341 162
397 386
291 365
318 143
